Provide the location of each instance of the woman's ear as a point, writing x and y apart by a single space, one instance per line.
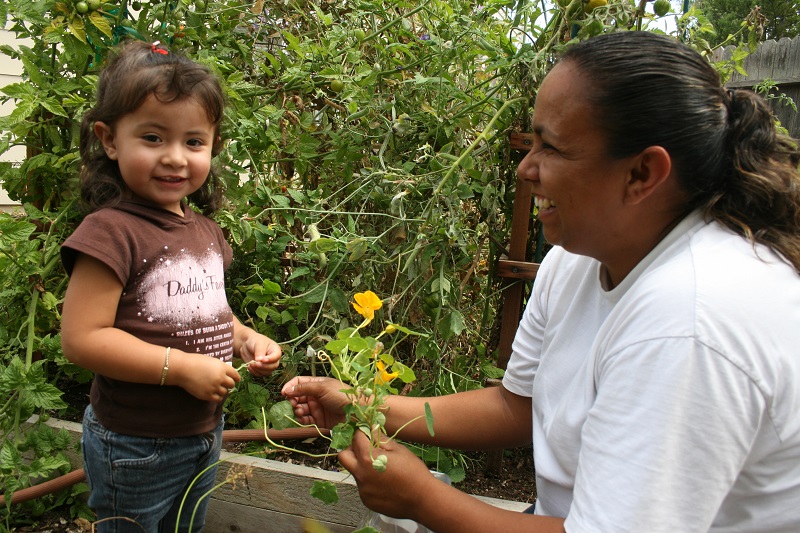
650 169
106 136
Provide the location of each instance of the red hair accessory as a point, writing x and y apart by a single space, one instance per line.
157 50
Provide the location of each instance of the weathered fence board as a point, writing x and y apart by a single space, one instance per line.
778 61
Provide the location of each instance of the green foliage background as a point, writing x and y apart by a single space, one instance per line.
368 150
776 18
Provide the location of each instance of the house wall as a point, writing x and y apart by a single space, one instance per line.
9 73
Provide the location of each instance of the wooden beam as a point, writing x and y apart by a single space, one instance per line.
517 269
521 141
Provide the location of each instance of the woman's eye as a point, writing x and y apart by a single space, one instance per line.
544 147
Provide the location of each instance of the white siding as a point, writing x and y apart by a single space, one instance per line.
9 73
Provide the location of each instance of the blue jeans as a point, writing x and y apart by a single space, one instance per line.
138 483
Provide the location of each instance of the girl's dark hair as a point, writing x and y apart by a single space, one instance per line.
135 71
731 161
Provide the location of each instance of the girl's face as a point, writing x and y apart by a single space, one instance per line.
577 187
163 150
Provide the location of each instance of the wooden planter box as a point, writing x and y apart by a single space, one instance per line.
274 496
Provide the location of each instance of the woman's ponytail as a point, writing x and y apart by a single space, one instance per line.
760 194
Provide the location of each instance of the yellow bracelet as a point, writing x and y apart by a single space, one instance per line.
166 366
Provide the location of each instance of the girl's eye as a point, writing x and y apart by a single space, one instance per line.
194 142
151 138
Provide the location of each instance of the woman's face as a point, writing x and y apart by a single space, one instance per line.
577 187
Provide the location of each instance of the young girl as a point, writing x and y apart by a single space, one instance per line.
146 308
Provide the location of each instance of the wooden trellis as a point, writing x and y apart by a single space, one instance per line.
515 269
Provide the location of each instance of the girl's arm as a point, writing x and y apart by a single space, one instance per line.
90 340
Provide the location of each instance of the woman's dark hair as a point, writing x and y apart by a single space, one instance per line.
135 71
731 161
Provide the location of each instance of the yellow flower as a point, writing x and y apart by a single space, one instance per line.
384 377
366 303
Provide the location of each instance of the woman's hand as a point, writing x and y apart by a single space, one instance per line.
316 400
395 491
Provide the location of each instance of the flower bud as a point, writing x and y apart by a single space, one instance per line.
379 463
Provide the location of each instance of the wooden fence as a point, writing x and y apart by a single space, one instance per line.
778 61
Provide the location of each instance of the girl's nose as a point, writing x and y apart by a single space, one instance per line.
173 156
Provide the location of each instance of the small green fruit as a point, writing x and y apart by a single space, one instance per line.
94 5
360 34
136 5
337 86
82 7
661 7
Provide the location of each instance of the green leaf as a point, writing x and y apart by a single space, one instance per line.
281 415
406 374
452 325
342 436
357 248
429 418
336 346
13 230
100 22
338 300
44 395
456 474
323 245
54 107
316 295
9 456
324 491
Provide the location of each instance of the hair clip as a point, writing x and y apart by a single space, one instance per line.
156 50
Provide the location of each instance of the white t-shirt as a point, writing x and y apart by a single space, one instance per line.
672 402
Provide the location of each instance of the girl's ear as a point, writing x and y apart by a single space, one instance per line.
106 136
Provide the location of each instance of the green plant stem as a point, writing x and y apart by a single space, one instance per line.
200 500
393 22
288 449
483 136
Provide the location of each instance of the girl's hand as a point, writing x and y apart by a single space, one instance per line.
316 400
261 354
204 377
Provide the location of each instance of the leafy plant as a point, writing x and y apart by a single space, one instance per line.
367 369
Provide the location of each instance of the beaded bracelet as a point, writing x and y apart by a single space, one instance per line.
166 366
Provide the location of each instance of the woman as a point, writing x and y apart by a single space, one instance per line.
657 364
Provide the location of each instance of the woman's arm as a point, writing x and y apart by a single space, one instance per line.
490 418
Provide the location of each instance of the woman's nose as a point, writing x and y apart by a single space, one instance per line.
528 168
